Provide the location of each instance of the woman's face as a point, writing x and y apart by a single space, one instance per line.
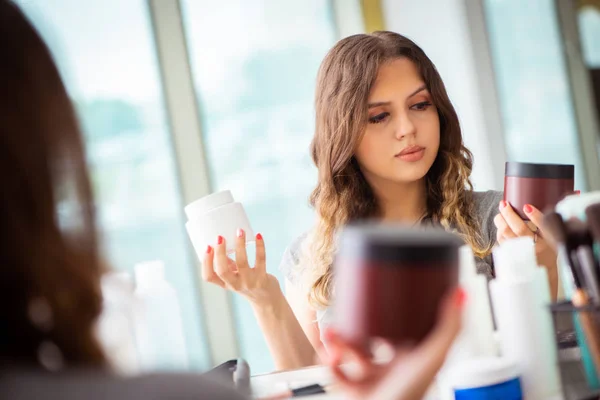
402 136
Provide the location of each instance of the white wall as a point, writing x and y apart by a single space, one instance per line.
444 30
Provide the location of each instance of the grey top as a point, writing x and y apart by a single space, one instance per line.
21 385
486 208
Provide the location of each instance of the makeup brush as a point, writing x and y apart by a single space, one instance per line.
309 390
589 326
593 219
556 227
587 263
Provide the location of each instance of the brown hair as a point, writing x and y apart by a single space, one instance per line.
342 195
42 172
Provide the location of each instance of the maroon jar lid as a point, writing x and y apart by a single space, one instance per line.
543 171
397 244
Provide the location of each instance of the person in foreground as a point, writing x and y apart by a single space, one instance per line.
50 265
387 146
410 374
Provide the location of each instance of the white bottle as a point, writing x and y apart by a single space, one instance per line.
520 297
476 339
159 325
478 325
115 329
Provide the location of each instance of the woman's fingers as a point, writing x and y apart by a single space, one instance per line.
338 346
421 365
515 223
341 378
222 267
535 216
261 256
503 231
208 272
241 257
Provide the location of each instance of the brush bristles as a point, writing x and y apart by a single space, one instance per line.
555 227
593 218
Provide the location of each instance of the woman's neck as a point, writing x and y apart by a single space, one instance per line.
406 203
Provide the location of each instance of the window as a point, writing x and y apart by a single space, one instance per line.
107 57
254 66
589 30
533 84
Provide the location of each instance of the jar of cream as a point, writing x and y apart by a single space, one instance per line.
216 215
390 280
541 185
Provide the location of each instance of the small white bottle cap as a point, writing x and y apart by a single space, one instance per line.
467 269
515 259
482 372
148 273
203 205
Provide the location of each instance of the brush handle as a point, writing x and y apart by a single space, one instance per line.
591 330
587 263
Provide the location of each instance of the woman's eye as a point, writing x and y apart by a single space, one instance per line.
422 106
378 118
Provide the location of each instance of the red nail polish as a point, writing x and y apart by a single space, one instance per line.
240 233
219 239
461 297
208 249
258 236
527 208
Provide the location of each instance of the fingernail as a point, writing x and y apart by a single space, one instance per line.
460 297
502 204
219 239
208 249
240 233
527 208
258 236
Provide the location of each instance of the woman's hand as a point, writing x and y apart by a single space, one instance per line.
255 283
409 375
509 225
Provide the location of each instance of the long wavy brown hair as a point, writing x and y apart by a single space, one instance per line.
45 259
342 195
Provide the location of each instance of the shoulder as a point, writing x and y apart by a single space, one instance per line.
486 203
291 266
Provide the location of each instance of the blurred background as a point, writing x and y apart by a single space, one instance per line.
180 98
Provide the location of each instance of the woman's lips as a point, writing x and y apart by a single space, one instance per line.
411 154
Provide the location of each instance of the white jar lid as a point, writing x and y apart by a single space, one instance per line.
204 204
482 372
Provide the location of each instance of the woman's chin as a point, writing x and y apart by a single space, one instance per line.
411 174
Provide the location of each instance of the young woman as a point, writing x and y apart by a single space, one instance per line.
50 271
387 145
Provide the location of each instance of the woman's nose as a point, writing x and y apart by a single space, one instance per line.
405 127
